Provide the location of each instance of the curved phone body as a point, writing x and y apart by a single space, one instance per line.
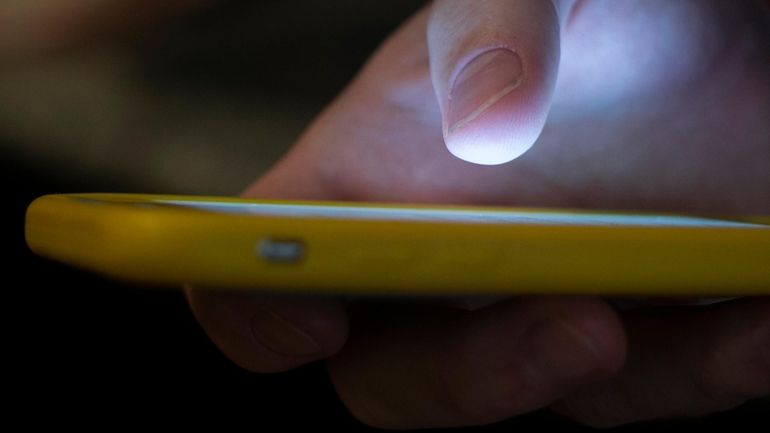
365 248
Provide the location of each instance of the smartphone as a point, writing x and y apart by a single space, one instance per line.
382 249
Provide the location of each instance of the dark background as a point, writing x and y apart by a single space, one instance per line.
81 347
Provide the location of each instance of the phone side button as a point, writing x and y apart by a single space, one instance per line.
275 250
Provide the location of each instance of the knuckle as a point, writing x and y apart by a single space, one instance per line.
731 375
484 392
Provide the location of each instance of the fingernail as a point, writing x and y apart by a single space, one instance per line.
561 351
481 84
281 336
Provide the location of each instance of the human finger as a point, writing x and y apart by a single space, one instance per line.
415 367
683 363
494 66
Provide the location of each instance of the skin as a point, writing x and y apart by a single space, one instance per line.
660 140
652 105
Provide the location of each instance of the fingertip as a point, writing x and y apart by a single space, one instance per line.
571 342
494 67
268 334
602 332
497 137
497 107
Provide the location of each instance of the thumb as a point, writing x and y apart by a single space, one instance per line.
494 65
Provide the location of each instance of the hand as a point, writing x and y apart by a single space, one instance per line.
644 105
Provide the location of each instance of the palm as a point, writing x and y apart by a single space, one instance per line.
661 139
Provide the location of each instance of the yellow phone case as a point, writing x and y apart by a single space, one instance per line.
153 239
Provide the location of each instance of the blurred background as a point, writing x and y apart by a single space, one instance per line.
199 103
184 96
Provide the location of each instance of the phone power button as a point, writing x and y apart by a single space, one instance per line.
276 250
